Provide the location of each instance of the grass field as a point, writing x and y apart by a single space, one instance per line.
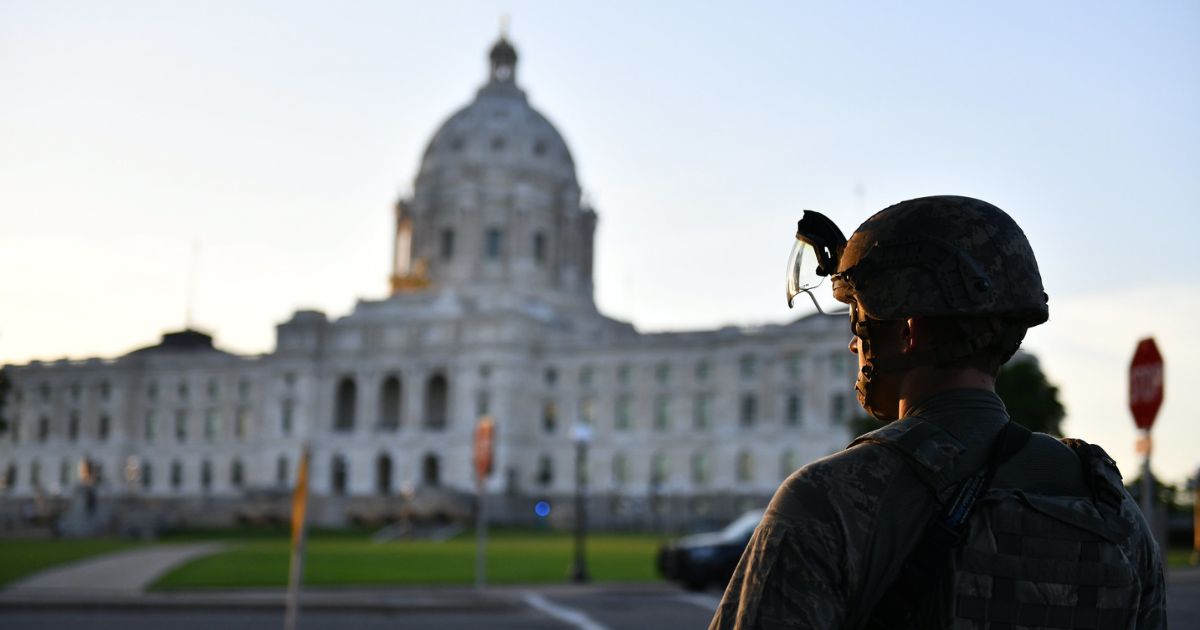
20 557
525 557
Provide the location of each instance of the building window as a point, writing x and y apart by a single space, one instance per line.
483 403
840 408
623 374
210 425
44 392
43 429
105 391
235 473
446 251
147 476
745 467
662 373
286 416
206 475
281 471
703 370
243 389
748 366
35 474
152 391
788 463
660 469
431 470
389 403
620 469
64 474
662 413
436 401
792 411
339 475
74 390
149 426
73 426
545 470
586 376
181 425
347 401
10 477
182 390
383 474
749 410
176 474
103 427
701 469
214 390
289 379
550 376
240 418
493 242
624 417
16 429
794 360
539 248
587 410
549 416
702 412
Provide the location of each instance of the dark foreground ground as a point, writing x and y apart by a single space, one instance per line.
543 609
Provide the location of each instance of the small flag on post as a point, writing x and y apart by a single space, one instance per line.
299 531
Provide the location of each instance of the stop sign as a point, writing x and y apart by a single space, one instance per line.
1145 383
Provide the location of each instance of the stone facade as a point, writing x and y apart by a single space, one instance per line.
491 313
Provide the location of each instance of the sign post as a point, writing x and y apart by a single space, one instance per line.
299 535
483 450
1145 399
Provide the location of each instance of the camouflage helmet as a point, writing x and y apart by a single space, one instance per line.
941 256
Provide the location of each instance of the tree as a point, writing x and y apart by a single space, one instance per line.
1032 401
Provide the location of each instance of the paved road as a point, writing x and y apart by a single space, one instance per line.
123 573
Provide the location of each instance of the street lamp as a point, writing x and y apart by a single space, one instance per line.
581 435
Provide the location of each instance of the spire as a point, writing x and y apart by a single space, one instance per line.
503 56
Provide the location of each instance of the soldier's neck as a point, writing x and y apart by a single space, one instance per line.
919 384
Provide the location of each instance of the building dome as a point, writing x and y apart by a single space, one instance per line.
498 131
496 205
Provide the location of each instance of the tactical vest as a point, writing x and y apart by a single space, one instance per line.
1017 559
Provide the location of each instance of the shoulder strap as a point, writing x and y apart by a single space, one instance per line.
920 572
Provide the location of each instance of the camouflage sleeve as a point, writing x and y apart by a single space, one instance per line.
1152 608
790 576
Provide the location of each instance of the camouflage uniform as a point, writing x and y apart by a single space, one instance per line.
838 530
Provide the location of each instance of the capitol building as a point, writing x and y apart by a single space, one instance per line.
490 313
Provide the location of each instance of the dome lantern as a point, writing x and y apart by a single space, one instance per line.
503 58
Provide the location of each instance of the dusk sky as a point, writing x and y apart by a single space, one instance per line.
277 136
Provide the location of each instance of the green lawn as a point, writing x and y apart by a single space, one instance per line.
20 557
528 557
1178 558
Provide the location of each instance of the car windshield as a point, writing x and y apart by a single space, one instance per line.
743 526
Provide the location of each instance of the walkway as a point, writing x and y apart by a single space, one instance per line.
120 573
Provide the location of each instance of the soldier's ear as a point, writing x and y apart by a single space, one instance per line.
915 334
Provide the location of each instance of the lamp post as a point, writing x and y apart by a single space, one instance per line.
581 435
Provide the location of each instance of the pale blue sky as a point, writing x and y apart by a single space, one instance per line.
278 134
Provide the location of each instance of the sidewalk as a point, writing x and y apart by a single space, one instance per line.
120 574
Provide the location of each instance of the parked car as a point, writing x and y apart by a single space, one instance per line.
700 560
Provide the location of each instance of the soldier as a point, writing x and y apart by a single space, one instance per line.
950 516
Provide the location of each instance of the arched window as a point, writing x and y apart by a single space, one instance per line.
389 403
745 467
787 463
436 396
102 430
347 394
281 471
383 474
206 475
545 470
701 469
660 469
620 469
339 475
430 470
235 473
539 248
